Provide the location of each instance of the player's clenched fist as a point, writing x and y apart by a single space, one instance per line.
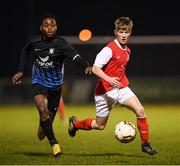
17 78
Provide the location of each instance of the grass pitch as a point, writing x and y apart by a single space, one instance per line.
19 144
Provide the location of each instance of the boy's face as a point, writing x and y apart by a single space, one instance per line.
122 36
48 27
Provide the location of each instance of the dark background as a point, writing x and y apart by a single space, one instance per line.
19 19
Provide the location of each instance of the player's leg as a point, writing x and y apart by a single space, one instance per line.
133 103
103 106
40 97
36 90
53 103
75 124
41 133
98 123
46 123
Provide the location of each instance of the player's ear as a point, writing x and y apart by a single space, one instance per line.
40 28
115 32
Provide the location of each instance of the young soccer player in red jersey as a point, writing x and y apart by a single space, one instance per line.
112 87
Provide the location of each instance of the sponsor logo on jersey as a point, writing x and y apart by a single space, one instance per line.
45 64
51 51
36 49
45 59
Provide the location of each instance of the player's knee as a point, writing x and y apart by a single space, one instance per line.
140 112
98 125
101 126
44 115
51 115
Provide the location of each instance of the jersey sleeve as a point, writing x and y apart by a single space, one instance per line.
71 53
103 57
68 50
81 61
24 55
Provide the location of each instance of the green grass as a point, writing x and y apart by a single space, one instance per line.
19 144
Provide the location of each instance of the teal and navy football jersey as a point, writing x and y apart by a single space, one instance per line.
48 59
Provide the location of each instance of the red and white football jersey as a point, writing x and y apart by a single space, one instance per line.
112 59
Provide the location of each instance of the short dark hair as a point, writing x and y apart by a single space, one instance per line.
47 15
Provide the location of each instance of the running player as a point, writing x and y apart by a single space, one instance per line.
112 87
49 51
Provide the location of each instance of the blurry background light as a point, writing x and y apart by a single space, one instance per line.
85 34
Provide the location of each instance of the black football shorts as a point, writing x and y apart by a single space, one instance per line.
53 95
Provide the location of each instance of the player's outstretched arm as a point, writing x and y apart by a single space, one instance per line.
83 63
17 78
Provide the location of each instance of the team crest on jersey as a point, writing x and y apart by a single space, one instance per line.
51 51
118 57
128 57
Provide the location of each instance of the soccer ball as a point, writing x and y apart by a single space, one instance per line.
125 131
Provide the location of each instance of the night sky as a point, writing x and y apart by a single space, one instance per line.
150 17
20 18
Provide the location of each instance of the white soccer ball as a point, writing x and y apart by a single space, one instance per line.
125 131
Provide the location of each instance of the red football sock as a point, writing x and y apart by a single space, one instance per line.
143 129
84 124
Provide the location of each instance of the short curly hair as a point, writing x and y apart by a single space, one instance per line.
47 15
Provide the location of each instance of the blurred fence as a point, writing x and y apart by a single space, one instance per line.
78 91
153 71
